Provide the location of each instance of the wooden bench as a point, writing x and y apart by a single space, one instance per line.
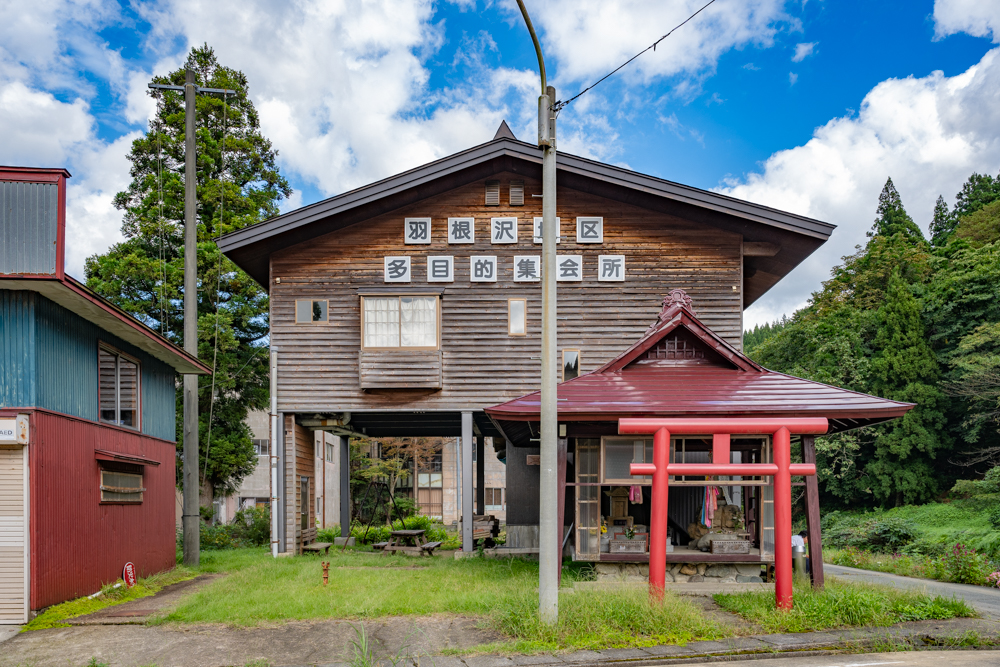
430 547
379 546
318 546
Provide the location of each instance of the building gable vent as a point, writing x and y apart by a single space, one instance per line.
517 193
492 193
681 348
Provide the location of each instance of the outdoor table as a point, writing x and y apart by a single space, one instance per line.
407 541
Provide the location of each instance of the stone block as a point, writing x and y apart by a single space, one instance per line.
675 568
667 577
748 569
606 568
702 567
720 571
623 653
644 569
680 578
696 579
743 579
689 569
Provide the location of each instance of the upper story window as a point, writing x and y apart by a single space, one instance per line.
262 447
118 388
400 322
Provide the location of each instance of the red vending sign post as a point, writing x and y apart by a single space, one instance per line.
128 575
721 429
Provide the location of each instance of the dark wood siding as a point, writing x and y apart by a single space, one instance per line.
480 364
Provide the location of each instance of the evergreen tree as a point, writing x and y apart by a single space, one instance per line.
892 217
904 369
237 186
943 223
978 191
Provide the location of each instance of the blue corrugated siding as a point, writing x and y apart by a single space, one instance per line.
17 351
57 351
28 226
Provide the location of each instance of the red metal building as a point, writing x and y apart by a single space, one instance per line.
87 417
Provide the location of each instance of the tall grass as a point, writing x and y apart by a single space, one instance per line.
842 605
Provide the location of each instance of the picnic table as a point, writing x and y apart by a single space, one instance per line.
410 542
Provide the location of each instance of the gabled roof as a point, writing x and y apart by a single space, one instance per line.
775 241
710 379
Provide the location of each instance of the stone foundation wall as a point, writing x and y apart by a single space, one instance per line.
682 573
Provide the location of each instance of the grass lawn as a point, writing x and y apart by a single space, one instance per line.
842 605
503 592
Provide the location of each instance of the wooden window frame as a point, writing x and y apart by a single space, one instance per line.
110 349
141 489
311 301
640 481
525 301
579 357
399 295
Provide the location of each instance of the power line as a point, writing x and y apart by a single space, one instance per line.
559 106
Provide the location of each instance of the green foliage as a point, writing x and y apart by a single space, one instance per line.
761 333
144 273
842 605
978 191
877 532
981 227
251 527
942 224
892 218
965 566
380 533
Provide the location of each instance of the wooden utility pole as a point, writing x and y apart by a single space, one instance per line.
191 515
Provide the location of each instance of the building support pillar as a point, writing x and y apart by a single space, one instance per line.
282 508
466 454
480 476
812 514
345 486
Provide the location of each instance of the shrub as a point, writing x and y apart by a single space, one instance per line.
965 566
251 527
872 532
994 517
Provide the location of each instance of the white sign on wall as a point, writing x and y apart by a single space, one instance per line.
397 269
461 230
569 268
417 230
440 269
503 230
537 235
590 230
527 268
483 268
611 268
14 430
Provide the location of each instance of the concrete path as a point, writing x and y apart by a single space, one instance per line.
985 600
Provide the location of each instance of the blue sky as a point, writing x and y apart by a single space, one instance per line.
805 105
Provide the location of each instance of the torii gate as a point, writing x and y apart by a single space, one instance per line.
721 429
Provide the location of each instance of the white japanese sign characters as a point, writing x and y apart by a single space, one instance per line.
461 230
483 268
440 269
417 231
503 230
611 268
569 268
590 230
537 235
397 269
527 268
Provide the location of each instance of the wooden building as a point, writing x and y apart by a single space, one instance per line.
87 415
408 306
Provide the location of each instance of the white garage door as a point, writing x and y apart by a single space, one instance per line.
13 536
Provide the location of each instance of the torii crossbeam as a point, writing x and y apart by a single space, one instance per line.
781 430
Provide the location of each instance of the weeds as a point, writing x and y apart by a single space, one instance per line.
843 605
363 651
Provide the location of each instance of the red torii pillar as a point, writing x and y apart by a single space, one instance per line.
721 429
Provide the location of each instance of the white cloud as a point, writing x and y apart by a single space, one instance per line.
793 78
929 134
980 18
803 50
589 38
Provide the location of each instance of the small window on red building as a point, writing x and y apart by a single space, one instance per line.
118 386
121 482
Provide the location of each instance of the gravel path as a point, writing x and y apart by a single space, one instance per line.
985 600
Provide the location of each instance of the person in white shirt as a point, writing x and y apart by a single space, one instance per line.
799 540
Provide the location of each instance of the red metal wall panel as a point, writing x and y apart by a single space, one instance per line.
78 544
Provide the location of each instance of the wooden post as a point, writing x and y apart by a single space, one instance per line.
812 514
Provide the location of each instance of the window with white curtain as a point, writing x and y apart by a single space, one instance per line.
400 321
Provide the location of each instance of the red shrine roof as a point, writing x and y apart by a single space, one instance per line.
681 368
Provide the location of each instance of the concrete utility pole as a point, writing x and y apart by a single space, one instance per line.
191 516
549 543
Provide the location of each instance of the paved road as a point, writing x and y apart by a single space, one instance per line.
985 600
911 659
